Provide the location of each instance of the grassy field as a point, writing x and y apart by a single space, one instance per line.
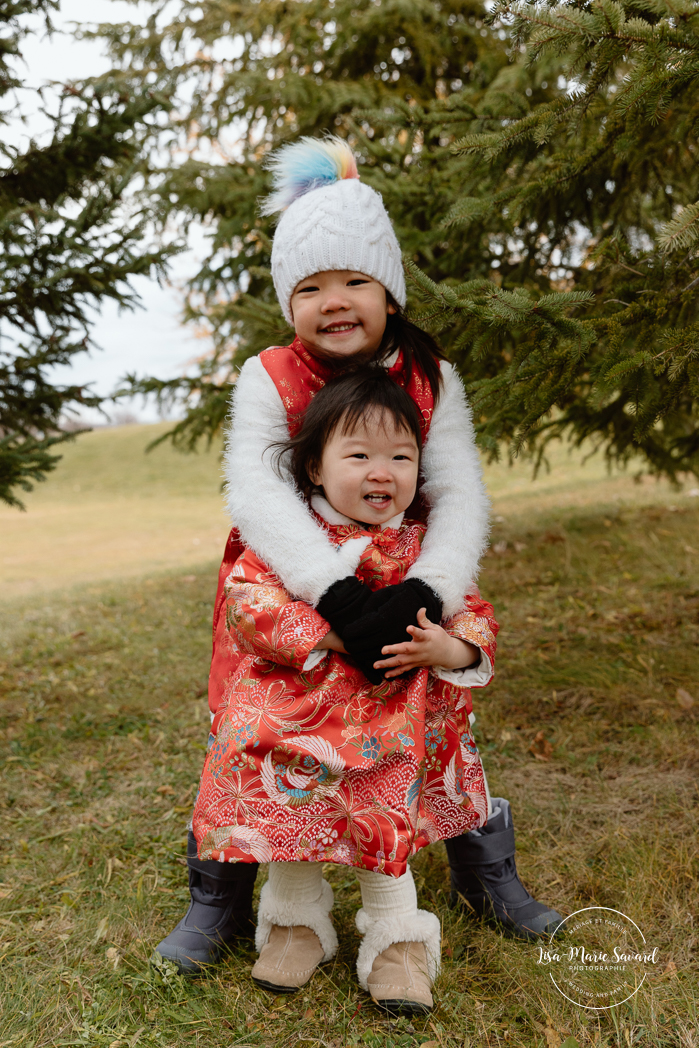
590 729
111 511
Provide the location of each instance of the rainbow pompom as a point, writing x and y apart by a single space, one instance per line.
308 164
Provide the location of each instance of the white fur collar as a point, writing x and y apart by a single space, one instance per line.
326 511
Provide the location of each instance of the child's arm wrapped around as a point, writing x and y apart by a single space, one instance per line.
271 515
278 525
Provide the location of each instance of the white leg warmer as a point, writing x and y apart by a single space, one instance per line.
389 914
296 894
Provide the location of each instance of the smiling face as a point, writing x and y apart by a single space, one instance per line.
370 474
340 313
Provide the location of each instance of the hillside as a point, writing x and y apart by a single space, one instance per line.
111 510
590 729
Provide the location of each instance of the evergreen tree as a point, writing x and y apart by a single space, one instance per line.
256 75
541 172
593 193
70 238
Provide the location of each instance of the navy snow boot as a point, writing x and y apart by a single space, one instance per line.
219 913
484 879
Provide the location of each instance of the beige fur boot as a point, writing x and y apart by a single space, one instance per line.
288 959
398 961
293 937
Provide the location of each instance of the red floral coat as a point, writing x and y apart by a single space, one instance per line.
310 761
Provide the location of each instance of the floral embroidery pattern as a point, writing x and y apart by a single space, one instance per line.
320 765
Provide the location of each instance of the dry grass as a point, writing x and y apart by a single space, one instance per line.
104 726
111 511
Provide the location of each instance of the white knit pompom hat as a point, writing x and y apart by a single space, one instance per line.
330 220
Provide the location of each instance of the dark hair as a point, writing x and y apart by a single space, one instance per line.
345 403
419 348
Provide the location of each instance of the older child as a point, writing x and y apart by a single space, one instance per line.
337 270
313 763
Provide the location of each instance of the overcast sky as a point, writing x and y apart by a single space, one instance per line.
150 341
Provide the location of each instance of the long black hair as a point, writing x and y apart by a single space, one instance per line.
344 403
419 348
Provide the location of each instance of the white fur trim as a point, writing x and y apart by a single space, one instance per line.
275 522
420 926
287 914
457 529
272 518
350 553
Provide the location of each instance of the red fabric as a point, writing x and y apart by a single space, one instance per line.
220 657
321 765
298 376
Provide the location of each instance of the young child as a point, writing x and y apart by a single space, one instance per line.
337 270
313 763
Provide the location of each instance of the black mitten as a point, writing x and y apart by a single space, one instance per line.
405 600
343 602
387 614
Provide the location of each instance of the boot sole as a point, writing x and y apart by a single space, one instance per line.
273 988
185 965
403 1007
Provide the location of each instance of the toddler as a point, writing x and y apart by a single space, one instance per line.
313 763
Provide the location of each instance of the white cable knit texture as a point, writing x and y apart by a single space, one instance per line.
284 910
384 898
277 524
343 225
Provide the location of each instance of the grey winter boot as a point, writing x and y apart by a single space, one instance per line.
484 879
219 913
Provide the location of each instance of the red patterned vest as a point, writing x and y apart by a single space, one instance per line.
298 376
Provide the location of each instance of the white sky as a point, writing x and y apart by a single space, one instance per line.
150 341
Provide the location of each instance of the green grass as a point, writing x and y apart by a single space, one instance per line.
104 724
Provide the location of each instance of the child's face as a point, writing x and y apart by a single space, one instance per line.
370 475
340 313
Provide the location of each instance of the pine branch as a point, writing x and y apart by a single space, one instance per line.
682 233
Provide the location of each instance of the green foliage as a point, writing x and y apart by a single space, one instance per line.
71 235
541 172
591 194
253 76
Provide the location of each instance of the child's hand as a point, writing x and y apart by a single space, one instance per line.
331 641
431 646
